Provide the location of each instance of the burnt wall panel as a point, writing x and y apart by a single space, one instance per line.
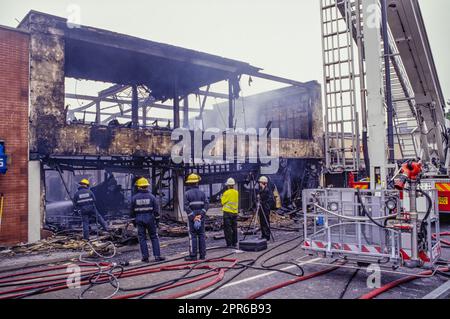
51 135
77 139
46 83
296 111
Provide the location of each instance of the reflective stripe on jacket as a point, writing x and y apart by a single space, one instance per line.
195 202
84 199
144 202
230 201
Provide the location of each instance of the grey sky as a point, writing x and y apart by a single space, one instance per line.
282 37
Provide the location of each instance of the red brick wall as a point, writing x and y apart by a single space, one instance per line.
14 84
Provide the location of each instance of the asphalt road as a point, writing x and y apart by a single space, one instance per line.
327 286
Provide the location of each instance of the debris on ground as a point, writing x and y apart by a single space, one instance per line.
57 243
123 233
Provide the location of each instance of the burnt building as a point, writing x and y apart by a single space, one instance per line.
69 142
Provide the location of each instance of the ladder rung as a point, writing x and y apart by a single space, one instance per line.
339 48
339 122
342 91
335 34
340 107
345 77
338 62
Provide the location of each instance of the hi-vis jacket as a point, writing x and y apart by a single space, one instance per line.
230 201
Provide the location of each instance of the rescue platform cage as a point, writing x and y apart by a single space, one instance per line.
430 248
336 224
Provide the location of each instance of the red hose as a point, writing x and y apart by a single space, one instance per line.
290 282
53 285
219 277
92 270
445 242
35 271
45 283
63 281
182 283
398 282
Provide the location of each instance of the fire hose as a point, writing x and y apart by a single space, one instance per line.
110 273
443 241
96 277
250 264
395 283
291 282
105 272
358 219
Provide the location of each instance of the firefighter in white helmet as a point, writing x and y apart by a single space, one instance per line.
230 201
266 202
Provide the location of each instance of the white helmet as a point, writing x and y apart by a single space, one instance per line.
264 180
231 182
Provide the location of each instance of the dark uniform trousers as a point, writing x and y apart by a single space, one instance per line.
146 222
264 220
84 201
86 217
230 228
197 239
196 203
266 202
145 211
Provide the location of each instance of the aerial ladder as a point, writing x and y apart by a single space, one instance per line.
385 119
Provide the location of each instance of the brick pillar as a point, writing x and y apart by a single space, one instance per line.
14 83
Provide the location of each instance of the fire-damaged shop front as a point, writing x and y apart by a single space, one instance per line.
122 131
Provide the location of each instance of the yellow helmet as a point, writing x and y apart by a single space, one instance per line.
142 182
84 181
193 179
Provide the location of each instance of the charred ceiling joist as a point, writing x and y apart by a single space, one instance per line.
59 50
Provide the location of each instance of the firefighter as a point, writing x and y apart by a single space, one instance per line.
195 206
230 200
265 203
84 201
144 210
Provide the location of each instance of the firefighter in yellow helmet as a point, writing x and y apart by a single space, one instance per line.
84 203
196 205
144 209
230 202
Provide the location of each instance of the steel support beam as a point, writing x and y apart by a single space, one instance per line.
98 117
213 94
276 79
134 107
112 116
388 89
230 104
186 112
362 85
144 115
94 99
176 105
376 115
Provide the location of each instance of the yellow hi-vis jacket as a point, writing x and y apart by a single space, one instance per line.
230 200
